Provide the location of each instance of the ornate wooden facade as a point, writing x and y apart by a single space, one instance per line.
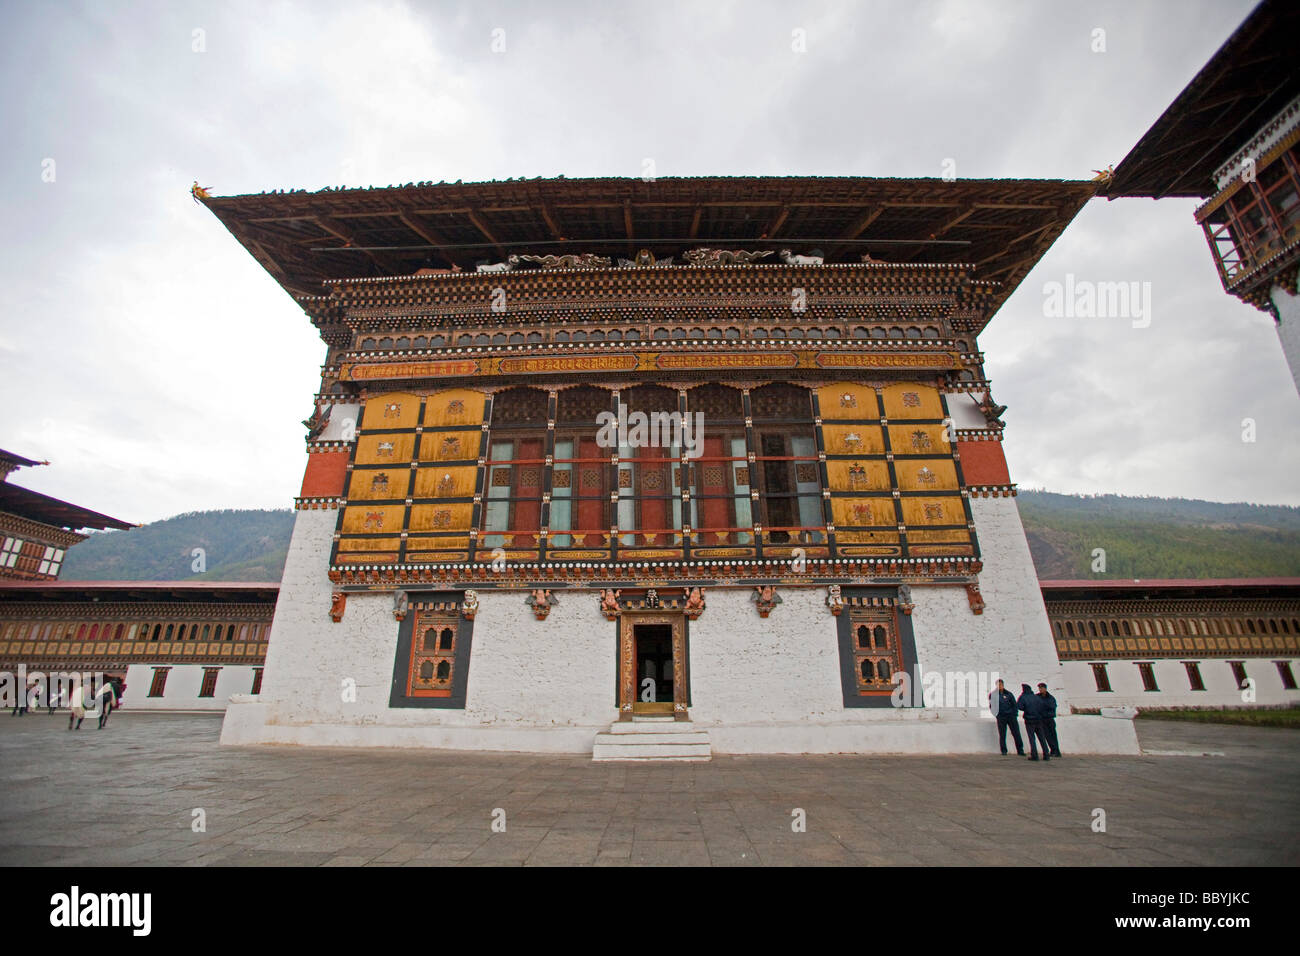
1103 620
109 626
37 530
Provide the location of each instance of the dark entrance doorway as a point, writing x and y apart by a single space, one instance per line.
654 669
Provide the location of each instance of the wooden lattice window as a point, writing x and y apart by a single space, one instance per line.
1284 671
257 681
1101 677
876 653
159 684
433 655
1148 674
1238 672
1194 680
209 687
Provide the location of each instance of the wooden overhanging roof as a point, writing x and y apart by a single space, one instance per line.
1251 78
1154 588
18 461
53 511
1000 226
118 591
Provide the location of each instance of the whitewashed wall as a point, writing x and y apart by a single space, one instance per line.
1013 636
1175 689
758 685
1288 329
181 691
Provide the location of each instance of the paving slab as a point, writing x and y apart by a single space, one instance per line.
128 795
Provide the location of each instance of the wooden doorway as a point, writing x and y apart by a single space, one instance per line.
652 665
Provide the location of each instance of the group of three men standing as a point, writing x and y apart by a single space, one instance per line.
1040 719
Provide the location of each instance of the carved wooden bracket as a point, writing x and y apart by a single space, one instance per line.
834 600
338 603
694 605
609 605
766 598
541 601
469 606
975 598
905 602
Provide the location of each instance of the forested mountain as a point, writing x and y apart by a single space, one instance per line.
1159 537
234 546
1142 537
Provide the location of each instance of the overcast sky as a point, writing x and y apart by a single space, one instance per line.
161 370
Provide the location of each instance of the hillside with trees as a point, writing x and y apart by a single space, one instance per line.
1142 537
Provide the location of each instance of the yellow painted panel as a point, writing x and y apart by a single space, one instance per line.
866 537
863 475
358 519
388 483
847 400
922 511
926 474
912 400
445 482
370 544
457 406
450 446
441 517
863 511
393 410
919 440
937 537
425 545
854 439
385 449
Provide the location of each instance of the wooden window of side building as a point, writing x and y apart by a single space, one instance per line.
876 651
433 655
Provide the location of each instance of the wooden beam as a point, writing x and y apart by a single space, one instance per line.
337 230
627 222
954 220
860 225
481 226
695 221
551 224
422 231
776 224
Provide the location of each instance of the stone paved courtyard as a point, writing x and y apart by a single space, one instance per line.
127 795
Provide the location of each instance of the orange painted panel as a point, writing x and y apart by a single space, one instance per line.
326 474
982 463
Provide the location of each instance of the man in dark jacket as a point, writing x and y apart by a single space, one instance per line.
1006 714
1049 720
1033 708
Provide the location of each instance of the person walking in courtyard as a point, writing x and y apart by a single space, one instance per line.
1003 704
76 705
1049 720
27 697
107 698
1032 706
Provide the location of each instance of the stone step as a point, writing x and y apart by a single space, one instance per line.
663 742
637 727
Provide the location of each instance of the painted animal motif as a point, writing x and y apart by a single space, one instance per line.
569 261
609 605
506 266
469 606
694 605
791 259
723 257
